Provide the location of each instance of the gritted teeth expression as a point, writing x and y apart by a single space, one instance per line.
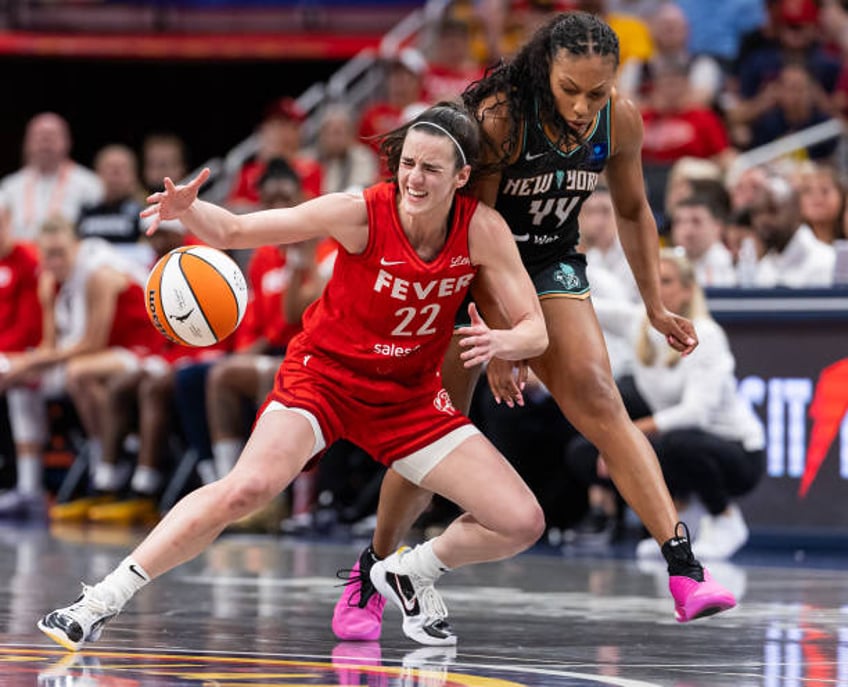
427 170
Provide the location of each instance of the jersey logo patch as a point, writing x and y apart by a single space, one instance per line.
389 263
566 276
443 403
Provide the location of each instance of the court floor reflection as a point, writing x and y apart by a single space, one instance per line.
255 610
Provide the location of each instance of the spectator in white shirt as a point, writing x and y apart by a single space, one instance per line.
709 443
50 183
794 257
698 224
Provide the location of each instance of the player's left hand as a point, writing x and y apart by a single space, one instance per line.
482 343
507 380
679 332
173 201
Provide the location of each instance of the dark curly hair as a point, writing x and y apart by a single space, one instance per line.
524 81
453 118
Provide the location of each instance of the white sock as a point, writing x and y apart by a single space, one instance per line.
122 583
425 562
146 480
29 474
225 452
106 477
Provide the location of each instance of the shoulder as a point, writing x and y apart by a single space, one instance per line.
626 124
486 231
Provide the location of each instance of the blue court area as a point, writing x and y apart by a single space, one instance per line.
255 611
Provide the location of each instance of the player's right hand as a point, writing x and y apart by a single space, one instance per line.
173 201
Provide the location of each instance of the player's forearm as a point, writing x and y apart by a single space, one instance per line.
212 224
527 339
641 247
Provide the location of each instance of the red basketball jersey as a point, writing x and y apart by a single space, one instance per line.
386 316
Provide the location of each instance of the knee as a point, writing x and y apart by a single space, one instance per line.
527 524
243 494
599 400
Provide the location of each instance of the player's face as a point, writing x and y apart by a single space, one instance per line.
427 174
581 86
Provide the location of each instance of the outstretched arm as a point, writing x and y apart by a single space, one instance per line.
340 215
637 227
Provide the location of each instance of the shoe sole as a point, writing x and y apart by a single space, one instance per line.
710 609
59 638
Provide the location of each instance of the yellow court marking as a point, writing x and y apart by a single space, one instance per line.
194 667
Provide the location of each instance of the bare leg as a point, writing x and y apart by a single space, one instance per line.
576 370
280 446
499 521
401 502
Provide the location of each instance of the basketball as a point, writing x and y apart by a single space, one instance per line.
196 295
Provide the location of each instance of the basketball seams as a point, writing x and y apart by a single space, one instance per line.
194 295
224 278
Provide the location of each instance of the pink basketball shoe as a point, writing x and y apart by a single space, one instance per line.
696 594
693 599
358 614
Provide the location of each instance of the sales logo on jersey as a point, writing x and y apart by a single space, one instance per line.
443 403
566 276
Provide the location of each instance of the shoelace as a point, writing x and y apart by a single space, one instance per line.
430 600
366 589
90 608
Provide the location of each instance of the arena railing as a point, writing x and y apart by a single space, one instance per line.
353 84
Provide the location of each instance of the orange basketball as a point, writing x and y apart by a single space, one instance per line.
196 295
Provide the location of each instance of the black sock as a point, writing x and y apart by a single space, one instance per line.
677 552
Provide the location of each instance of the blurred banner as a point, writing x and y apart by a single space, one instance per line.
791 351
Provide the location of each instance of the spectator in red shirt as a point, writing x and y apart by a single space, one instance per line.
20 319
279 136
675 127
404 73
452 65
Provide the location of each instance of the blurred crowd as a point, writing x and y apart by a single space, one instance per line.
81 367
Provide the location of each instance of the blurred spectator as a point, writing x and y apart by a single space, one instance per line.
163 155
50 182
794 257
794 109
599 241
451 64
634 37
698 224
404 74
822 200
676 125
130 401
607 268
283 281
746 186
670 33
717 28
668 186
92 302
345 163
115 219
279 136
795 41
709 442
20 316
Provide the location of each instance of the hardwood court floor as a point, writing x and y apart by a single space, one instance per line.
255 611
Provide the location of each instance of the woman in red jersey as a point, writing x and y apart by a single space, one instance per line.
366 368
